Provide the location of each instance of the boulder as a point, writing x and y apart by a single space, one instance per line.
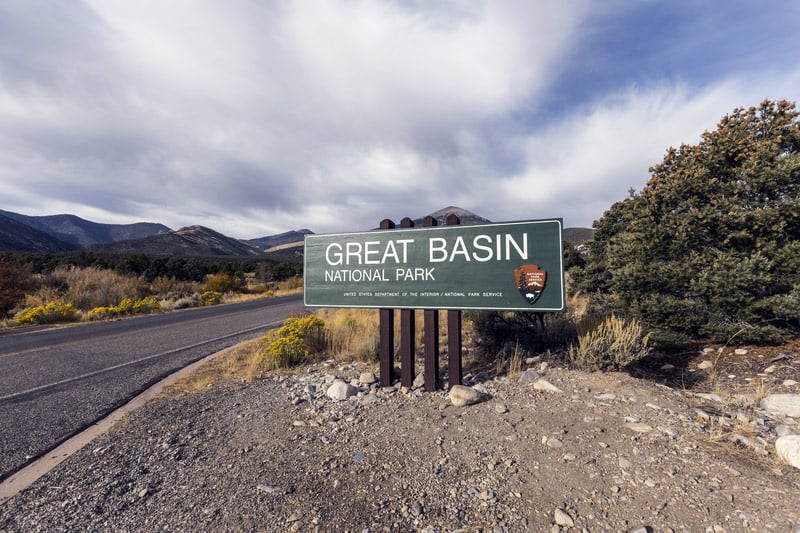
367 378
340 391
782 405
461 395
788 449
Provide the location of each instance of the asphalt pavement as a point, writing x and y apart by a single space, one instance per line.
56 382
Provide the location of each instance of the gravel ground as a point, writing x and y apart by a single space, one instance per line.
553 450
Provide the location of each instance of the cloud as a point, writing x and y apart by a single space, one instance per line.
259 117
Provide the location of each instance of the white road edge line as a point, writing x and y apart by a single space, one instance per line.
26 476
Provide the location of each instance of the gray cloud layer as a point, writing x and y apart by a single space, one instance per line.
257 117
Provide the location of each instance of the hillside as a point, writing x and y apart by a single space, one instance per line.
576 236
79 232
192 241
18 237
281 239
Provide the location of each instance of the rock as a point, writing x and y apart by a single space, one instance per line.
670 431
553 442
340 391
500 409
419 381
544 385
370 398
782 404
740 351
461 395
710 396
563 519
606 396
705 365
788 449
367 378
638 427
528 375
667 367
789 383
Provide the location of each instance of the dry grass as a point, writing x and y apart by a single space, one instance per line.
608 343
352 333
515 364
355 333
85 288
240 363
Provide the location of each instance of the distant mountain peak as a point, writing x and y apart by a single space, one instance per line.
280 240
465 216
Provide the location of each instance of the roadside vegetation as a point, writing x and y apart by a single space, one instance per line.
73 293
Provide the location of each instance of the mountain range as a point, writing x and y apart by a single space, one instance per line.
64 233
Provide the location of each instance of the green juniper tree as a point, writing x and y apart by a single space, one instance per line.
710 247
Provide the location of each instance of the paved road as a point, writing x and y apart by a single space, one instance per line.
56 382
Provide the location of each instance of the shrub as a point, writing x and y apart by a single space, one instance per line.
223 282
125 307
293 342
711 245
210 298
610 343
48 314
90 287
534 332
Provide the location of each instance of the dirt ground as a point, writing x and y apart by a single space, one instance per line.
681 448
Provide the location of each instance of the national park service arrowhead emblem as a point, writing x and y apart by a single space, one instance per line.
531 280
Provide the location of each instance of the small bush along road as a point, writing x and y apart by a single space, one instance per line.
55 382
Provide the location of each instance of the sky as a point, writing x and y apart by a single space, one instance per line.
255 117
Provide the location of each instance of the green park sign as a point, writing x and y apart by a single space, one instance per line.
515 266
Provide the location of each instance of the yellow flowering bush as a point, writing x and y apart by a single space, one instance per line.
210 298
48 314
125 307
293 342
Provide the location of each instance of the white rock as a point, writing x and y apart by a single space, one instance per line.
782 404
789 383
710 396
563 519
339 390
788 449
606 396
638 427
544 385
367 378
705 365
419 381
370 398
461 395
740 351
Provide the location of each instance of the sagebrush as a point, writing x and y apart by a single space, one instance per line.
608 343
